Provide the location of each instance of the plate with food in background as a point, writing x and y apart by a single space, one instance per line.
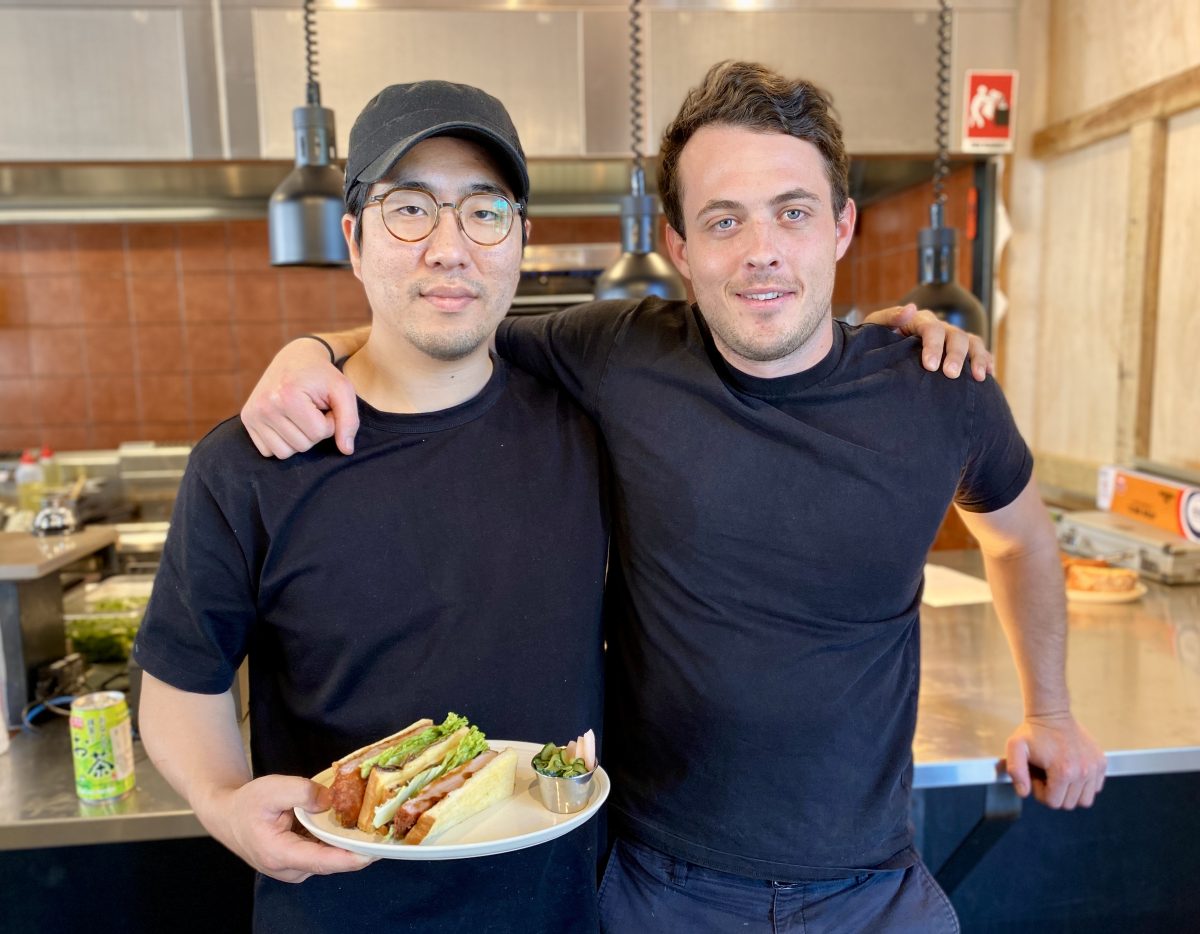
1094 580
444 791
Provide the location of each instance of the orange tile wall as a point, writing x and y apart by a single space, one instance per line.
880 267
120 332
111 333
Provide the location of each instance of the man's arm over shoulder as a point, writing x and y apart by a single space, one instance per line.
943 346
570 348
303 398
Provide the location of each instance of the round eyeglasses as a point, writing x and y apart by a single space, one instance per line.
410 214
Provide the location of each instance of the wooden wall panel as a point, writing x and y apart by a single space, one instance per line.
1020 274
1086 204
1102 49
1175 425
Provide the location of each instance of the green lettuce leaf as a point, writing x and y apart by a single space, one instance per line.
408 748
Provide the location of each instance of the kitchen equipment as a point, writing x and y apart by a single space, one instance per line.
559 276
937 246
1128 543
55 517
304 215
639 271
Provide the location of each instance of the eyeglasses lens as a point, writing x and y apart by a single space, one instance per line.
410 215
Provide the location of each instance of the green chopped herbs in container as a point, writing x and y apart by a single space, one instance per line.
106 632
104 638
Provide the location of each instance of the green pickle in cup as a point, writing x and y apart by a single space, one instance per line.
564 774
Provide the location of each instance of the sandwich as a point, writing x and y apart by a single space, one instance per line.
1101 579
415 784
1095 575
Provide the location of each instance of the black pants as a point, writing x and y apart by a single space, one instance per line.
645 890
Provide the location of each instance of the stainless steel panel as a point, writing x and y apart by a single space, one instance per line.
100 83
606 84
203 91
1133 670
191 191
241 85
39 807
879 66
530 60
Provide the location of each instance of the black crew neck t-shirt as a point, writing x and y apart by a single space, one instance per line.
455 561
769 538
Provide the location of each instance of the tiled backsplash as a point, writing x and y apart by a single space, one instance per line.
110 333
881 266
118 332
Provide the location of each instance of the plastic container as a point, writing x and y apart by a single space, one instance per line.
103 628
51 475
31 482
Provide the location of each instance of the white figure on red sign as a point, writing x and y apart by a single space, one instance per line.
984 106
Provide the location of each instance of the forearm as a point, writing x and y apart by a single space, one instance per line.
1020 555
194 742
1027 591
347 343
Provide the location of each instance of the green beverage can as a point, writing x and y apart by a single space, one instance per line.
102 746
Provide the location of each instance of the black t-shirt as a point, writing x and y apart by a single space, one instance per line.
455 562
771 537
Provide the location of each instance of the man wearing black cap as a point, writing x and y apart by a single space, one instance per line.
368 592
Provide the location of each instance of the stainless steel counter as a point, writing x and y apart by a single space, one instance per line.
25 557
31 612
1133 669
39 807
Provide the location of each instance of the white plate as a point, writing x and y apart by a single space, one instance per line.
515 824
1107 596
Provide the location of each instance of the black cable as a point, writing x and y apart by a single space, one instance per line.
941 165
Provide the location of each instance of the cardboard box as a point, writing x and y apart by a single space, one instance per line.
1166 504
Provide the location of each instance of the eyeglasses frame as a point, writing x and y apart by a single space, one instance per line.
437 217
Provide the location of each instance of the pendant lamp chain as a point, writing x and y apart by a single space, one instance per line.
937 246
304 215
312 89
941 165
635 80
639 271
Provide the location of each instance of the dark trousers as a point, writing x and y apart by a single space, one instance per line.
644 890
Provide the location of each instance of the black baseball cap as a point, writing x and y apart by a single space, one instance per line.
402 115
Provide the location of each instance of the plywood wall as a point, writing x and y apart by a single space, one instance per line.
1104 335
1082 280
1102 49
1175 424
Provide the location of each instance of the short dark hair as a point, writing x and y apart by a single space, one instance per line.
745 94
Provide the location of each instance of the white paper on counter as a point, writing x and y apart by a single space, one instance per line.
947 587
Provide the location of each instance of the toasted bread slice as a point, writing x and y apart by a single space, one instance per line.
493 783
348 786
1101 579
383 783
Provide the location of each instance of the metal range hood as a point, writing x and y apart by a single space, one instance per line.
141 192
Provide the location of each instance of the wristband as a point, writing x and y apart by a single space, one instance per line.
324 343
